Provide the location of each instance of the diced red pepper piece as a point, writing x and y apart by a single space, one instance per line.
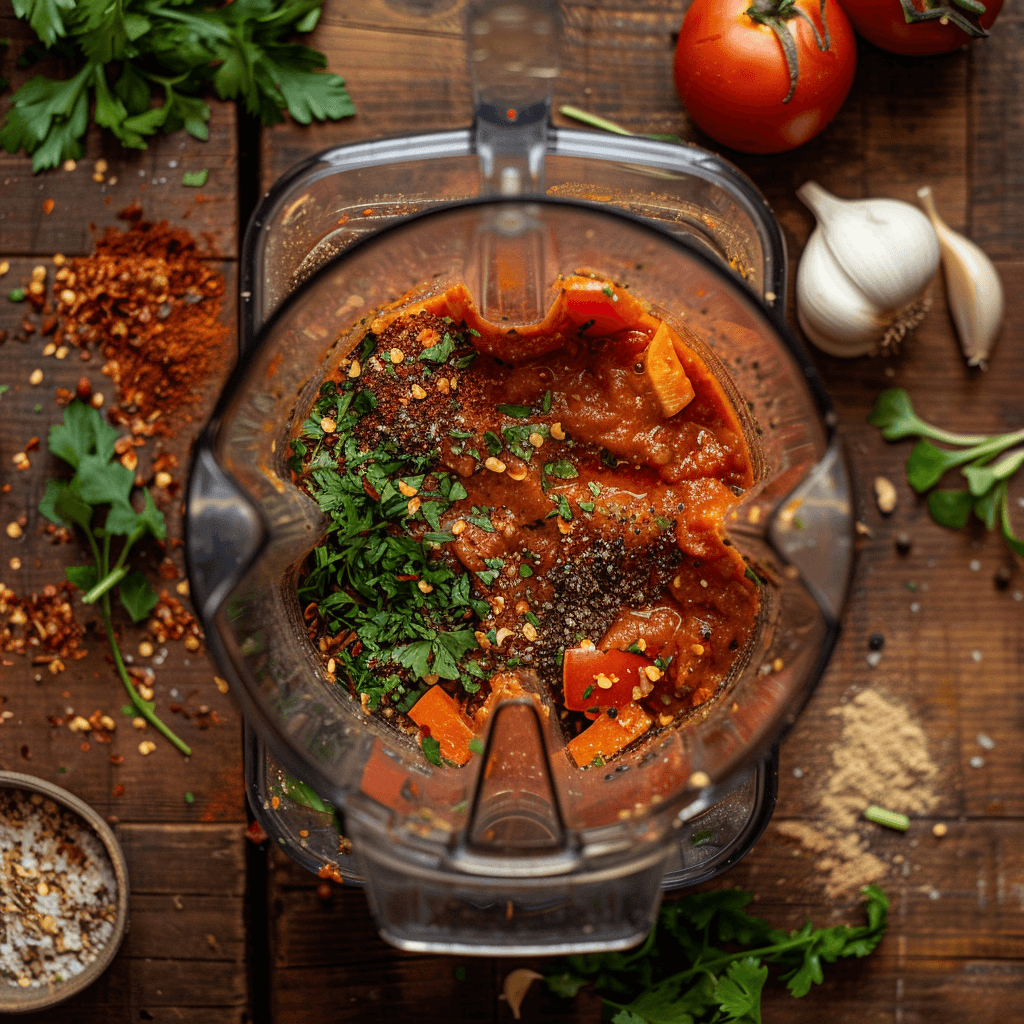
601 679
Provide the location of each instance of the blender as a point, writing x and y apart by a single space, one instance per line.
528 854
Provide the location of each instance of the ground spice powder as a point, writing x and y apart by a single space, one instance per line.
151 304
882 758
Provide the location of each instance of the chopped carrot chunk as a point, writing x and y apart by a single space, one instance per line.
437 713
607 736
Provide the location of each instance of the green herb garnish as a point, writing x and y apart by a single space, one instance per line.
987 492
128 54
86 443
195 179
680 975
520 412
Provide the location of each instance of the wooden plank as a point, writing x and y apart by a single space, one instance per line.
996 215
151 177
185 861
149 788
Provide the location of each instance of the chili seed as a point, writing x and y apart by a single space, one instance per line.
13 531
328 426
418 392
529 631
146 747
495 465
36 377
537 439
557 432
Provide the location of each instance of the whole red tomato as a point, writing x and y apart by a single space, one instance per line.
740 85
921 27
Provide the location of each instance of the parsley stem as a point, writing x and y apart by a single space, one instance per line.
140 705
108 582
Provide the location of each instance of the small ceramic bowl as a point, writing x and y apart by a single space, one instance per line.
22 1000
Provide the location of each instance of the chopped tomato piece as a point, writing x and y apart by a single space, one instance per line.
666 374
607 736
437 713
606 308
601 679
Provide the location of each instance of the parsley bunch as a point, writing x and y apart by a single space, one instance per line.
86 443
131 53
369 575
678 975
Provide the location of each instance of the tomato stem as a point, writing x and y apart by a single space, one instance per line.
775 14
946 13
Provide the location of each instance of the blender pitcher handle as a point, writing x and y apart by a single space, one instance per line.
513 61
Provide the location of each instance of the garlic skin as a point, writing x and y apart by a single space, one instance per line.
973 288
863 278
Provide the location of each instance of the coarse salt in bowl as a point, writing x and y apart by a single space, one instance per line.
63 894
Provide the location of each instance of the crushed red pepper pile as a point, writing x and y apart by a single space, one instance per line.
151 304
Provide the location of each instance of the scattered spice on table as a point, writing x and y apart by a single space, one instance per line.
41 626
58 893
149 302
882 758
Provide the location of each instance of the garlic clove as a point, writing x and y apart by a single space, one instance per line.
863 279
516 985
973 288
831 310
886 246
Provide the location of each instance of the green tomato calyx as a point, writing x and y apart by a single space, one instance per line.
775 14
961 13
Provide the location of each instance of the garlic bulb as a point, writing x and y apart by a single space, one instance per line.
973 289
863 278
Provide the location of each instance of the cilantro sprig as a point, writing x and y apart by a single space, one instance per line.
681 973
86 443
987 492
133 52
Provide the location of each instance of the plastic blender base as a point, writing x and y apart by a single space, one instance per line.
709 843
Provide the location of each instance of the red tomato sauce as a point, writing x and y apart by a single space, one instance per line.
589 463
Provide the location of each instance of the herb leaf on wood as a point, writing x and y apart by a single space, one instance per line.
143 66
86 443
987 493
707 961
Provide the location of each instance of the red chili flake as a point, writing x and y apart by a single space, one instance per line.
117 758
48 205
255 834
368 487
119 788
324 891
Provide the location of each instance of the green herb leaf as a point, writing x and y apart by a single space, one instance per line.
707 960
950 508
520 412
169 52
894 414
137 597
432 750
195 179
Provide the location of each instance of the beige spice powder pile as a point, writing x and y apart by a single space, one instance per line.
881 758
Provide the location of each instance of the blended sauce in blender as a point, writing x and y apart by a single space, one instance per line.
518 509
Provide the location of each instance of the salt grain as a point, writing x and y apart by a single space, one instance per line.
985 741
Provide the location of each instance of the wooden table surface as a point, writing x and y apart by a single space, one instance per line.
226 931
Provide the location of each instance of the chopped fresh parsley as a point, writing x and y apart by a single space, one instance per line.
407 613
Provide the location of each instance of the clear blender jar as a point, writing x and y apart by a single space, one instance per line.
532 855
